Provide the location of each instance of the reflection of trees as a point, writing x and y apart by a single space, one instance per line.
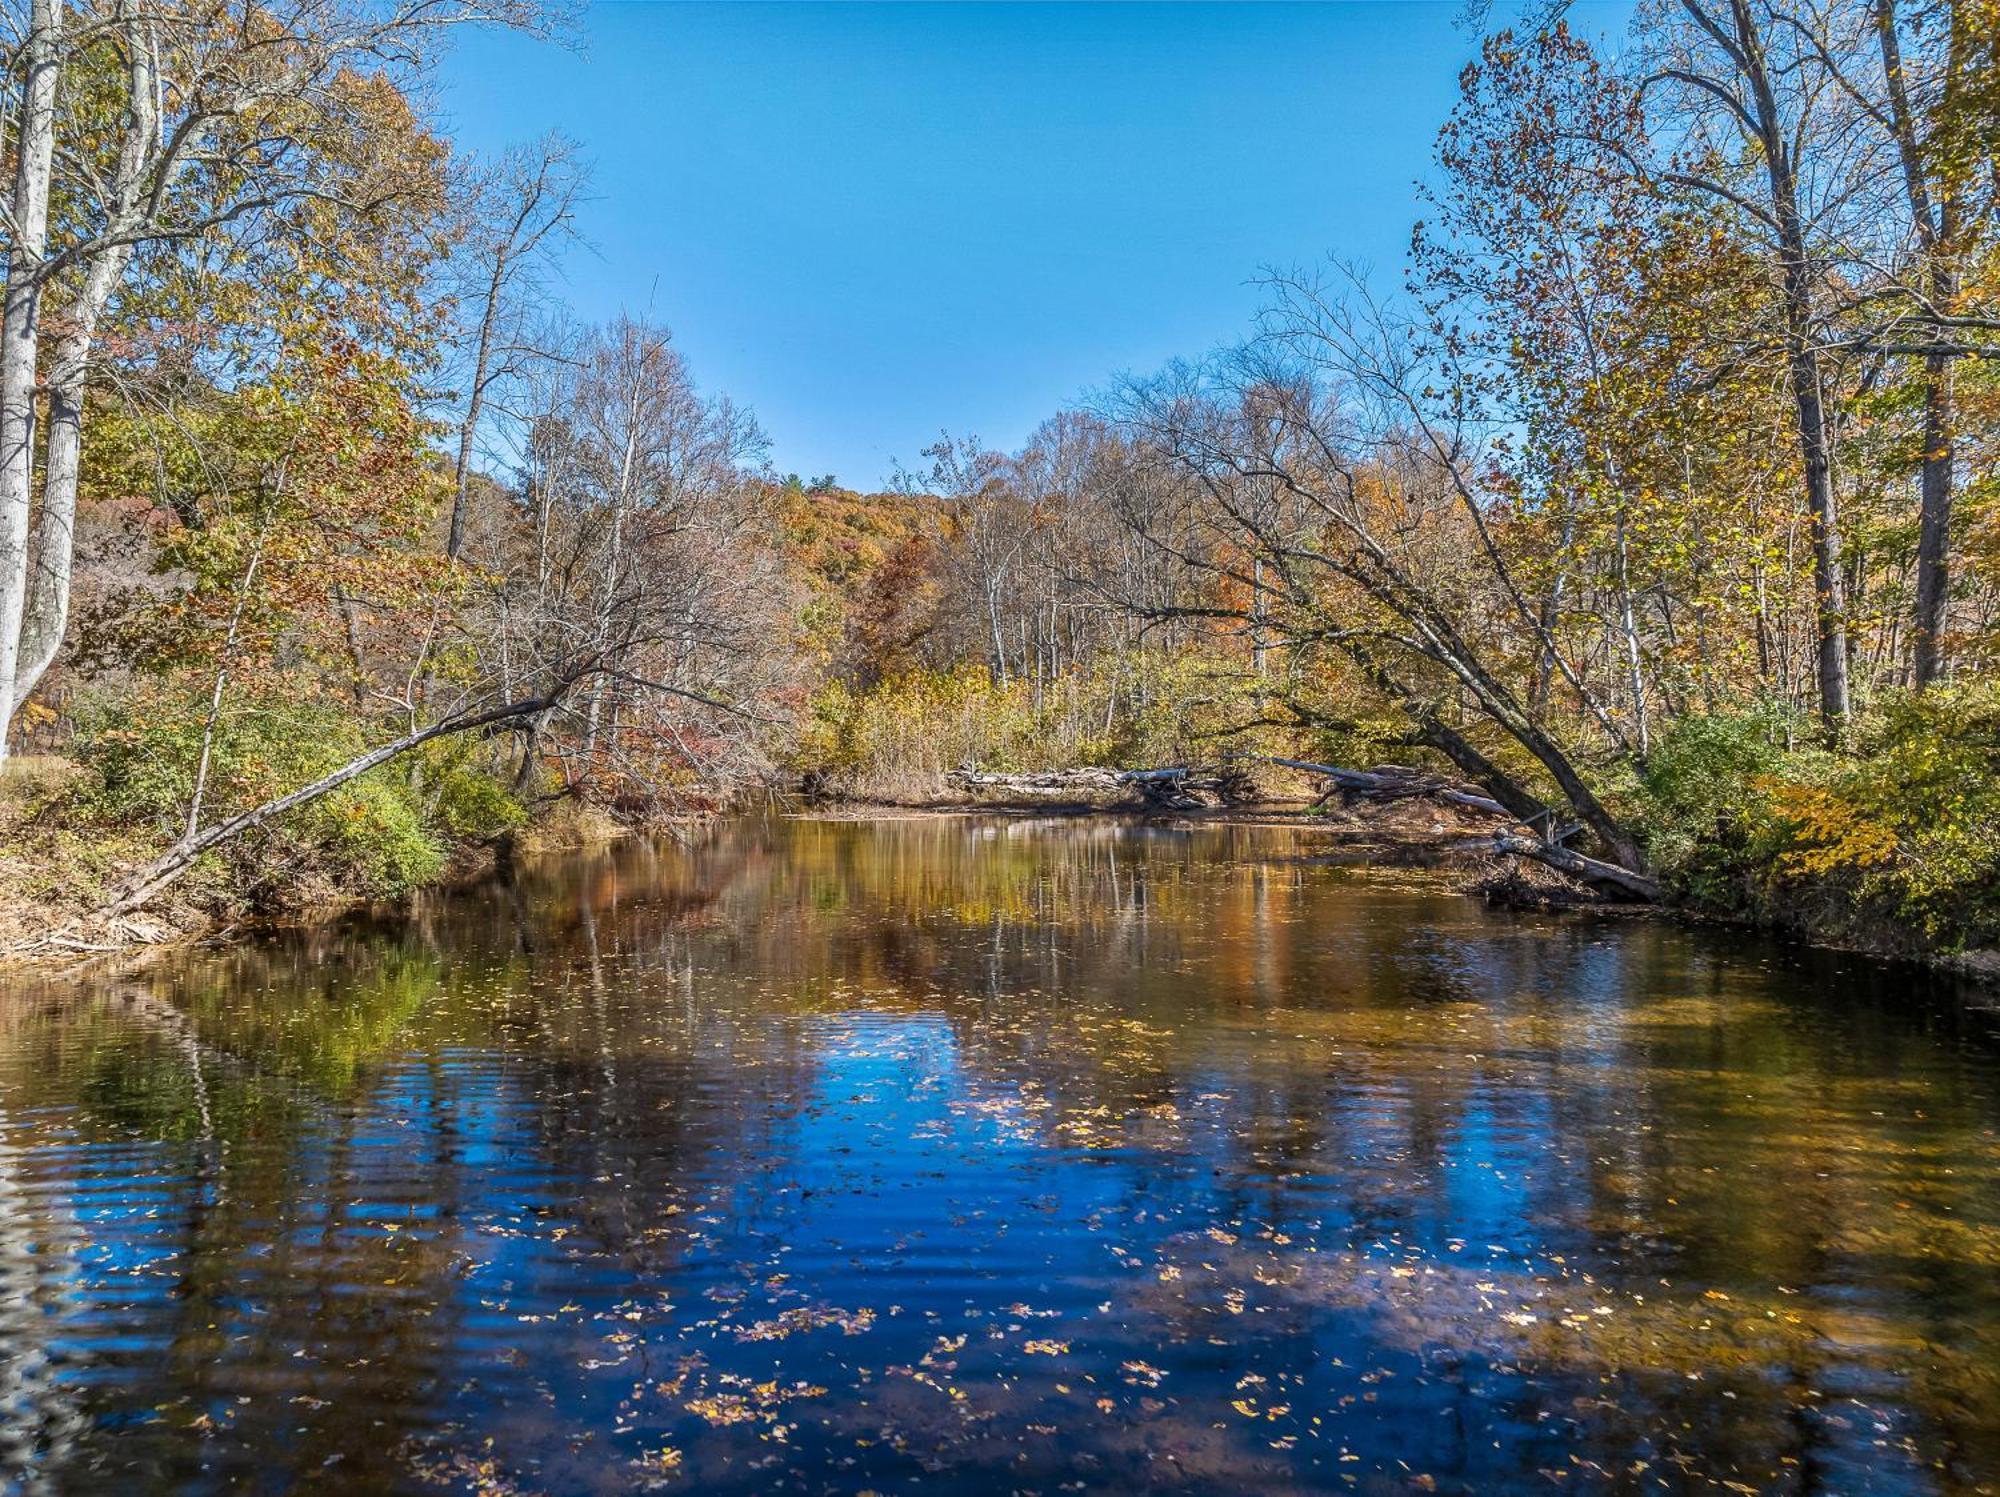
1632 1098
285 1156
40 1420
572 1085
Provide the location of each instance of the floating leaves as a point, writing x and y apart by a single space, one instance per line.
807 1318
756 1402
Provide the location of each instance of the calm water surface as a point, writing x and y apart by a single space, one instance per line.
955 1156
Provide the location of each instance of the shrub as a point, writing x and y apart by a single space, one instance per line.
465 800
904 733
1701 805
382 834
1909 825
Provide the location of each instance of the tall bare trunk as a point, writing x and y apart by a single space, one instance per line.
1807 377
999 638
1936 221
46 620
20 326
1829 601
1628 625
1934 522
475 405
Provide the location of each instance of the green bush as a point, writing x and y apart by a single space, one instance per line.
1908 824
373 836
466 801
1896 837
382 834
1701 805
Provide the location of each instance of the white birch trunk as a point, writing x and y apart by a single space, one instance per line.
47 616
20 327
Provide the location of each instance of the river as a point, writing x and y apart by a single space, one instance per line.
965 1155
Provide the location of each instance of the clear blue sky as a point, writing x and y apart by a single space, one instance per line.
868 222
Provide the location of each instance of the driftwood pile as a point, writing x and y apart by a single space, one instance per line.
1175 788
1189 787
1543 841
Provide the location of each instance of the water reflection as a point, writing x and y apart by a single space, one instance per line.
995 1157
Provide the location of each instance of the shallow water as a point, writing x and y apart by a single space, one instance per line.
985 1157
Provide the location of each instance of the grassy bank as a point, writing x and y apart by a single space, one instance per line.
134 775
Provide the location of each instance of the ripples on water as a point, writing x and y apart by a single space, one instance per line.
957 1156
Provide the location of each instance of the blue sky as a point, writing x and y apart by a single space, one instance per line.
868 222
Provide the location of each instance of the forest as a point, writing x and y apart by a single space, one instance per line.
1656 498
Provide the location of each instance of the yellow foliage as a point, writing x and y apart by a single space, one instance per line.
1832 833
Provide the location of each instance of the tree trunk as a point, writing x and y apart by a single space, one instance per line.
1934 525
1635 660
1809 403
1442 643
1502 786
1829 603
1576 865
999 639
1936 221
45 615
531 738
20 326
46 622
1803 366
1497 703
1434 732
475 406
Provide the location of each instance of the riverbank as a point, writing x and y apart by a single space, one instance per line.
53 880
62 864
1459 845
56 878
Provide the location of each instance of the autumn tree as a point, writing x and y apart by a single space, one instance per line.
138 124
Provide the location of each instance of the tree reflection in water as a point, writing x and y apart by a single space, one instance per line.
993 1156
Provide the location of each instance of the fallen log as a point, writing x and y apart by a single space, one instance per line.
1174 787
1394 782
1047 779
1591 871
142 885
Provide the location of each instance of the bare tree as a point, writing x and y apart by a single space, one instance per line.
1328 474
985 523
523 210
638 542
